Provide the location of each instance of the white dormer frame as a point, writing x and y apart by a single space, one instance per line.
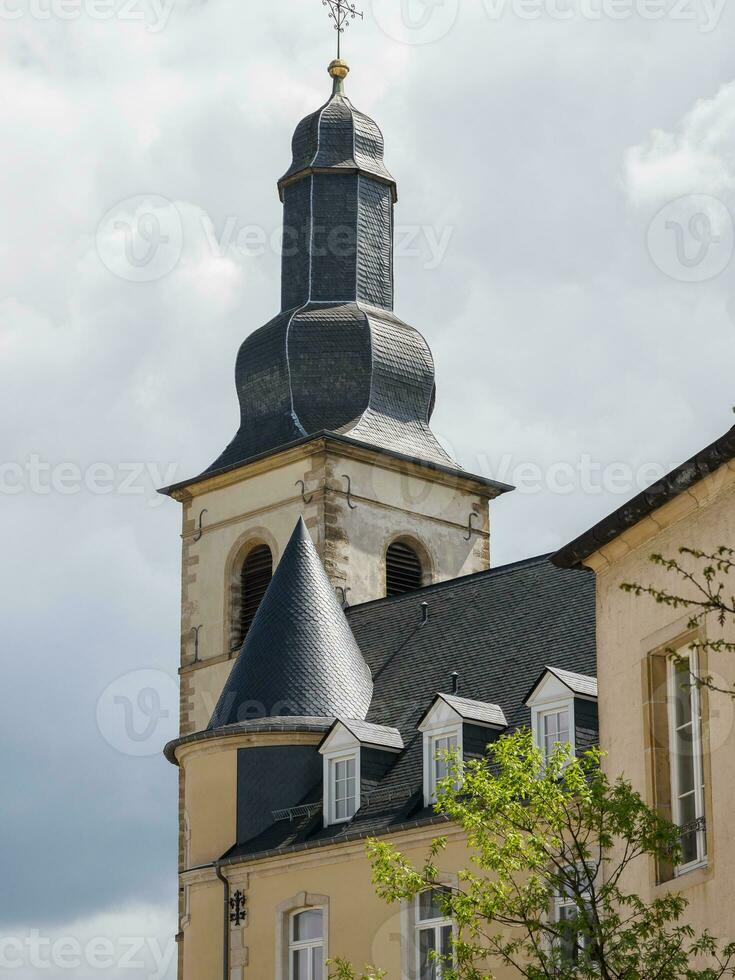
441 721
339 746
552 695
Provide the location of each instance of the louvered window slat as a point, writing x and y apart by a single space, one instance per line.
255 578
403 570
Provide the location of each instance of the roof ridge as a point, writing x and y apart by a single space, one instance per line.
466 580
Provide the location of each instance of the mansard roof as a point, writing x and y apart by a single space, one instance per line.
498 630
300 657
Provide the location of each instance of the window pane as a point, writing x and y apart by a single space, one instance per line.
430 904
345 788
317 963
446 938
307 925
555 731
569 938
683 694
689 848
427 945
684 768
300 964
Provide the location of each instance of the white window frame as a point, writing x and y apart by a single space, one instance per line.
424 925
697 754
539 714
294 945
560 902
442 721
330 802
431 736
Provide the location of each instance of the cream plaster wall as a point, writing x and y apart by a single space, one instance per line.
210 800
629 629
362 928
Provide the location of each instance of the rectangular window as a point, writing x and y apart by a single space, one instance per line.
343 788
306 945
433 936
687 764
554 731
436 762
572 941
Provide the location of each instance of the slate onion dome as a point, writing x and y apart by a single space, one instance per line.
336 358
299 658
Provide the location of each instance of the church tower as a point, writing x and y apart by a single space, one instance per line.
336 396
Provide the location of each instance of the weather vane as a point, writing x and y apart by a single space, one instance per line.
341 13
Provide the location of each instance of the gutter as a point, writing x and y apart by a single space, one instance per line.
226 922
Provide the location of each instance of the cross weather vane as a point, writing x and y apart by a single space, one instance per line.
341 13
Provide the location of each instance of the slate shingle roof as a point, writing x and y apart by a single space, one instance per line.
299 656
479 711
343 367
338 136
389 738
498 629
336 359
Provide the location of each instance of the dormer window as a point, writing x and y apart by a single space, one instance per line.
441 748
455 726
554 729
343 788
563 711
343 749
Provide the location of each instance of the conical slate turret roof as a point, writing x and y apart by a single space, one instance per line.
299 657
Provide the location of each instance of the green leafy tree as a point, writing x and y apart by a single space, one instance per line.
703 589
543 836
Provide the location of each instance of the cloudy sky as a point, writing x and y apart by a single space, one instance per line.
566 175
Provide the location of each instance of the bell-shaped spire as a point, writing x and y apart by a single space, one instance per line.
336 359
300 657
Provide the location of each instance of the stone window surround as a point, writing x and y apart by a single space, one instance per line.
284 911
409 921
654 659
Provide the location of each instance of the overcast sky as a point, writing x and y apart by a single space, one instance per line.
566 177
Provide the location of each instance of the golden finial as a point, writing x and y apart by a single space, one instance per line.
338 69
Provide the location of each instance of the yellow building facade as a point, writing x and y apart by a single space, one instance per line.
640 691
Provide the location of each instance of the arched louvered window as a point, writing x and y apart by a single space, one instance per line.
403 570
257 571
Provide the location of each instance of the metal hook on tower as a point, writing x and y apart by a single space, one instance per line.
470 527
300 483
196 630
349 492
200 529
